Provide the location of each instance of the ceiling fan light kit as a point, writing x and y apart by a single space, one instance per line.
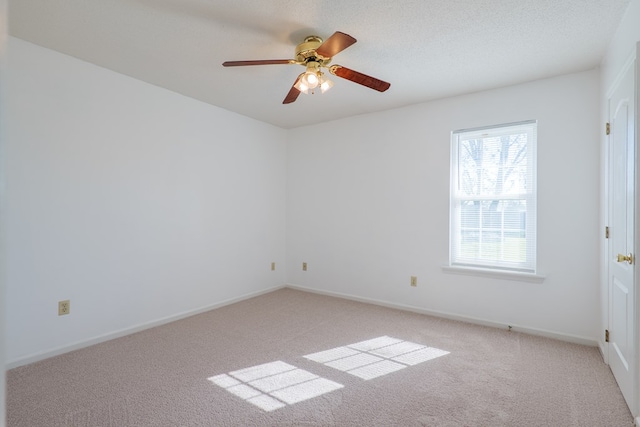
314 54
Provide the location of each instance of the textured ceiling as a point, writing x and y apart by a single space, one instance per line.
426 49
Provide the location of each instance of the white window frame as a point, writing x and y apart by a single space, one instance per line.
456 260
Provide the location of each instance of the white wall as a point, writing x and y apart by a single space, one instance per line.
622 45
134 202
368 206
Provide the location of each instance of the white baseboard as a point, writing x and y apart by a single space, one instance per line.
477 321
127 331
604 352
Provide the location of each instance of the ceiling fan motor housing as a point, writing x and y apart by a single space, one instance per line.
306 51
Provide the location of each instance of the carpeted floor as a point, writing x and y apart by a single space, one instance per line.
291 358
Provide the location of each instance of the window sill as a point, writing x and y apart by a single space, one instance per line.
495 274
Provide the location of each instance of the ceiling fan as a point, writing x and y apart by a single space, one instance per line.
314 54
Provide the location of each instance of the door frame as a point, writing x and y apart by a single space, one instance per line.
636 239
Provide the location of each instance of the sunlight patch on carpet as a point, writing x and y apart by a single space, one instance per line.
273 385
376 357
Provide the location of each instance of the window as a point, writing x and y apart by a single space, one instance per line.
493 197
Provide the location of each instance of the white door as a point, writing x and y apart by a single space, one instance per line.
621 251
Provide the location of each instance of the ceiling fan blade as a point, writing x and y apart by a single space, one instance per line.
335 44
293 93
258 62
363 79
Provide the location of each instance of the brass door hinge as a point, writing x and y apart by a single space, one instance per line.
608 131
606 335
606 232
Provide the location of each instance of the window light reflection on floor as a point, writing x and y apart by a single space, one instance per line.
376 357
274 385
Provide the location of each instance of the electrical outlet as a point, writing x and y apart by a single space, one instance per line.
273 266
64 307
414 281
304 266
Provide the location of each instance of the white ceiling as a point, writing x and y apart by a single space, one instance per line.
426 49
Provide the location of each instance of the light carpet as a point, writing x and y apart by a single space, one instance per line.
292 358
